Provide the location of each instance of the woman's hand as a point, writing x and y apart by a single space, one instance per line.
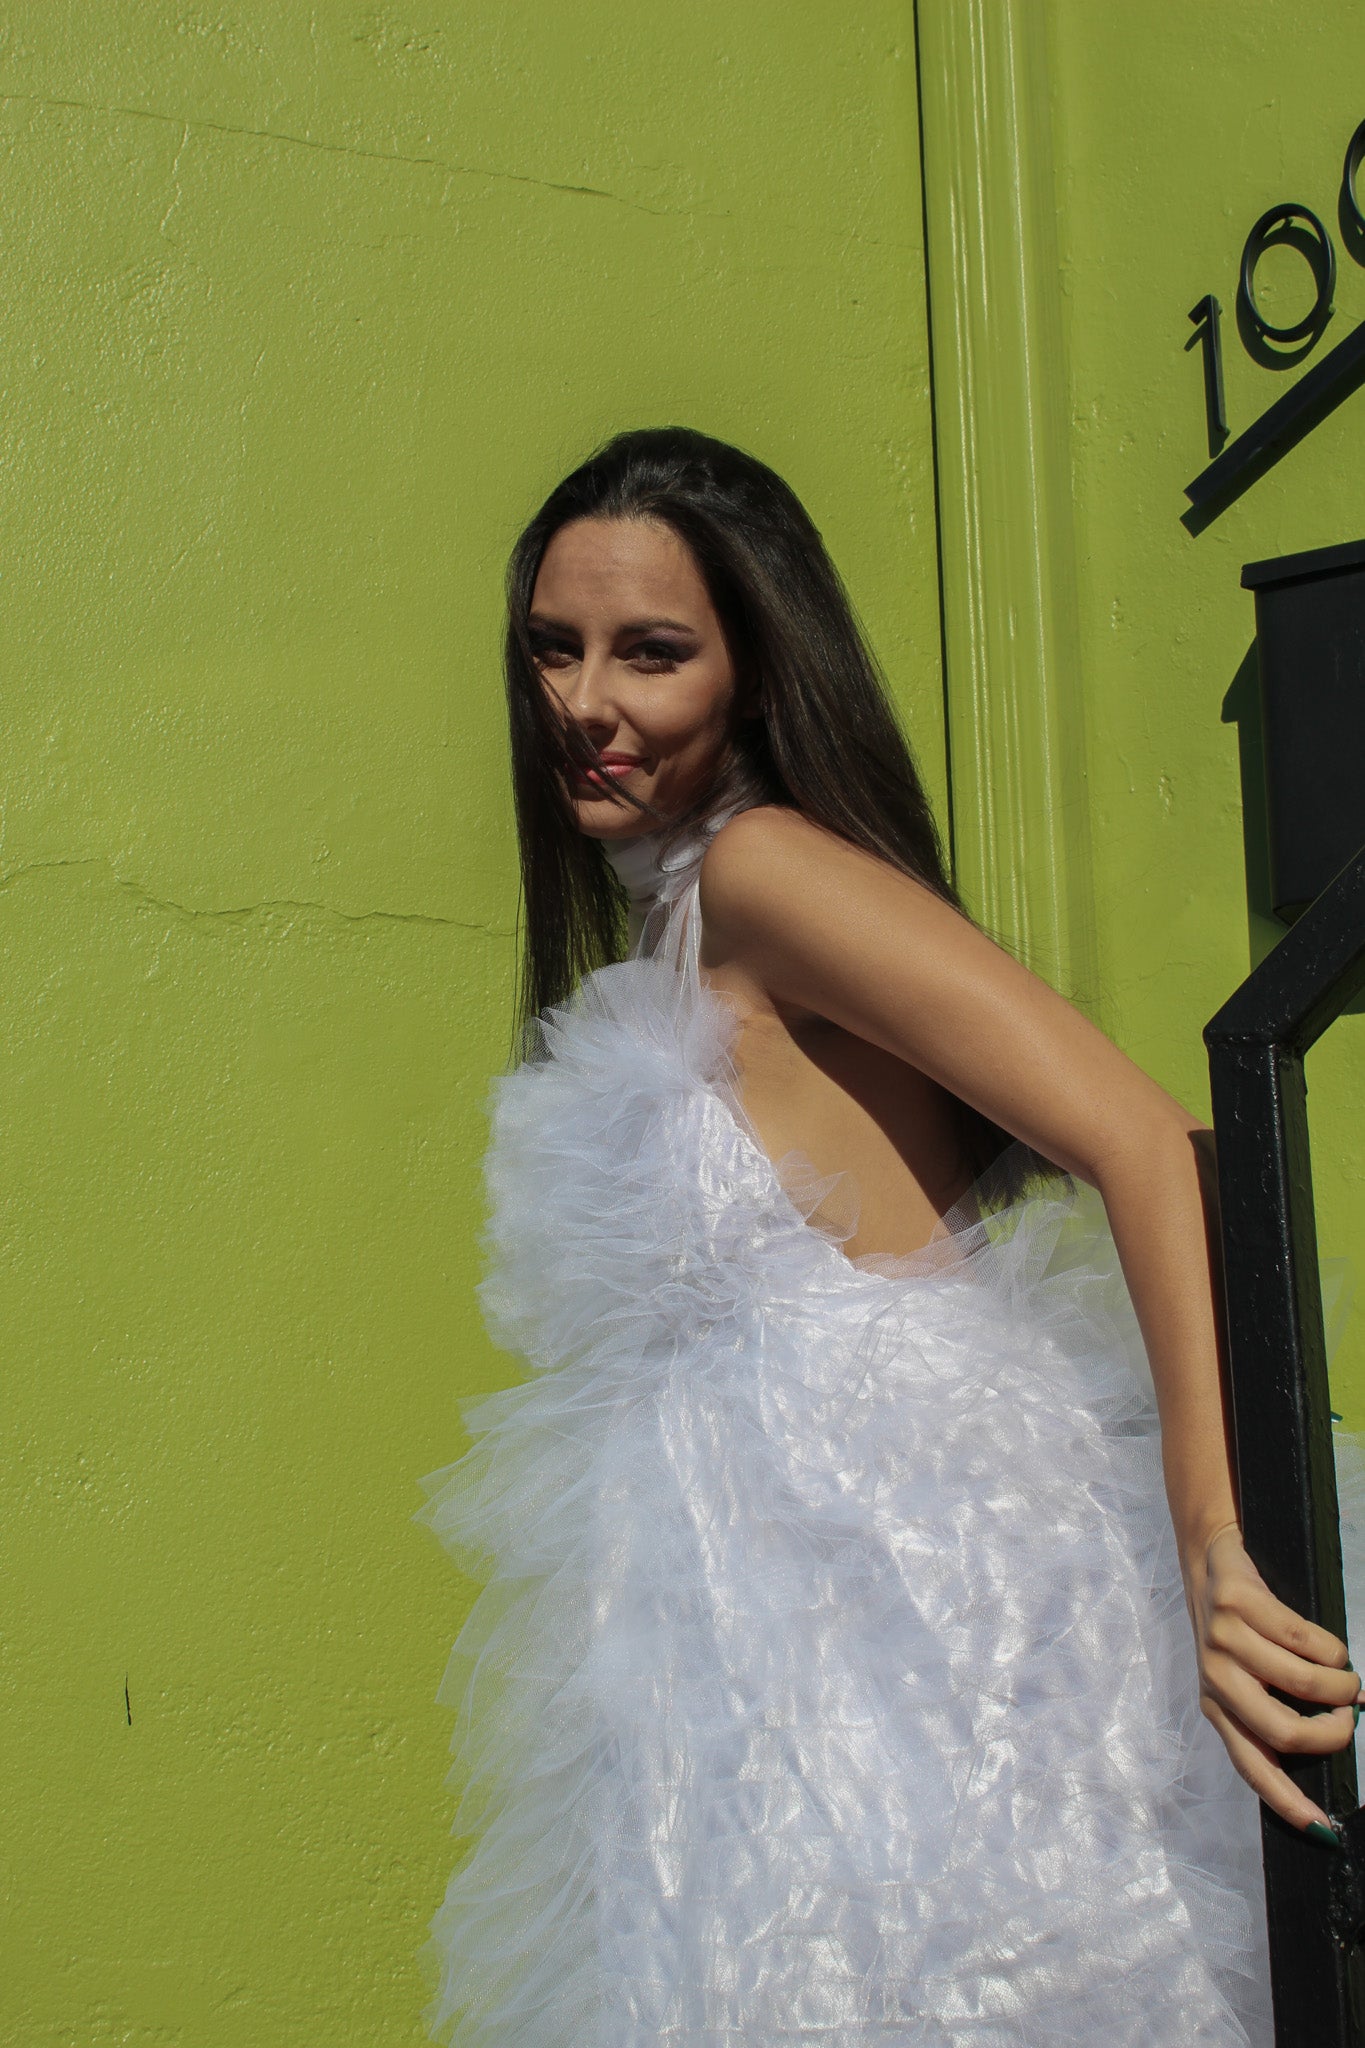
1247 1641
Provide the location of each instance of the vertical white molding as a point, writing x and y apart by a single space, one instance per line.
1013 688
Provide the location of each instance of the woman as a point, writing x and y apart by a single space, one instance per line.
832 1681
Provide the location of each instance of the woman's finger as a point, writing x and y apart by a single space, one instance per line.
1255 1762
1266 1660
1277 1725
1250 1599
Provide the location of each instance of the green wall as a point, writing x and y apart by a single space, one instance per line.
304 309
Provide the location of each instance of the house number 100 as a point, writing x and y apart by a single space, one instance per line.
1300 228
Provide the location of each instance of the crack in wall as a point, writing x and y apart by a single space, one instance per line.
195 913
380 156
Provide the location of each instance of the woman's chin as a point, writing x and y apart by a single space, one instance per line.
607 817
604 817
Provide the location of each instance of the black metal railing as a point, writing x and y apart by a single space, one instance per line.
1315 1899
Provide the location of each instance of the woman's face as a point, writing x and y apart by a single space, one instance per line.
626 637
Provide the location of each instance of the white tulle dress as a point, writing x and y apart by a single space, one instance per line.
832 1683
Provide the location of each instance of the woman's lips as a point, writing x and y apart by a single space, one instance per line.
609 767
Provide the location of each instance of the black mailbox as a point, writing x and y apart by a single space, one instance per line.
1310 641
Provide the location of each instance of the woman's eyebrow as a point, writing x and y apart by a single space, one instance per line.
542 622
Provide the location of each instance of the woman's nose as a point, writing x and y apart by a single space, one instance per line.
588 695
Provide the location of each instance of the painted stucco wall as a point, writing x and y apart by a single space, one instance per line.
304 309
1174 128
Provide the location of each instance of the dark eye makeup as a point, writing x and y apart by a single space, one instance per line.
660 653
653 653
547 646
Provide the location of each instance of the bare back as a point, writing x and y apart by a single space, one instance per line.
852 1110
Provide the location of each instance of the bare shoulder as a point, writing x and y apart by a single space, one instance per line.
771 863
748 842
754 856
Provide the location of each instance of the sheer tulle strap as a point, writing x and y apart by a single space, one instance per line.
672 928
676 934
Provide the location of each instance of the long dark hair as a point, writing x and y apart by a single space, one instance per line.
827 743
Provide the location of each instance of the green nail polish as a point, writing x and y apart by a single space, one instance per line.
1329 1837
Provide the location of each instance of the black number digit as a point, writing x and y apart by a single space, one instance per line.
1206 316
1350 217
1302 230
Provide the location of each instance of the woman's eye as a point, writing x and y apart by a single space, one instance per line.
550 656
657 655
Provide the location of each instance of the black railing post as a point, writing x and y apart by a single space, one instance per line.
1315 1901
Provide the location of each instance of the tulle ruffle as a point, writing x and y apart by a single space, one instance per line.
831 1681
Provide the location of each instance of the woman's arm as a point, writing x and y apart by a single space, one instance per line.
825 927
